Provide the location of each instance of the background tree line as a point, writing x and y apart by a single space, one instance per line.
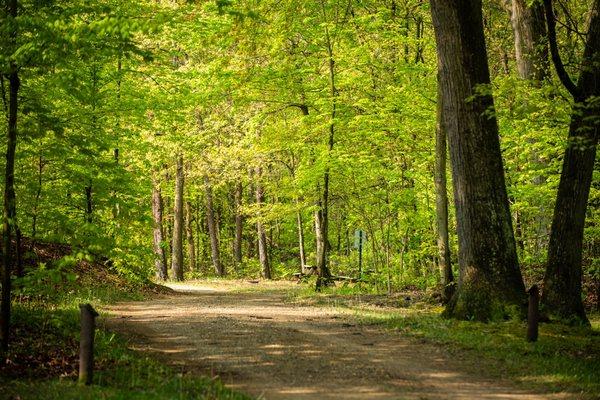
253 138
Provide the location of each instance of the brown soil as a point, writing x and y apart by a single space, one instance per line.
261 345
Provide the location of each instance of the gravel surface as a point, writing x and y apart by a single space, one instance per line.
261 345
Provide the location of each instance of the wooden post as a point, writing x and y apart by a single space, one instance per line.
533 314
86 343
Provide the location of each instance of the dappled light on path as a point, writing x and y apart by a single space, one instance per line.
260 345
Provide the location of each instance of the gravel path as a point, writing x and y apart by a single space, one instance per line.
258 344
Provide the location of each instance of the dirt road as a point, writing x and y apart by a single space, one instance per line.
260 345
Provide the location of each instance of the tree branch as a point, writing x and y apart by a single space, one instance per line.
556 60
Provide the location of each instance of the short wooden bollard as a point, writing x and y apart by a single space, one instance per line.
86 343
533 315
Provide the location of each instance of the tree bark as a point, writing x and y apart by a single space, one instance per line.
531 47
562 281
212 229
239 223
263 254
160 259
9 204
490 283
177 254
441 206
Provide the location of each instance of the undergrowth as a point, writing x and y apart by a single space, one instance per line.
43 365
42 360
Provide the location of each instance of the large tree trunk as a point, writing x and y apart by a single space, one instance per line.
531 47
490 282
160 259
213 233
263 254
239 223
189 233
562 281
9 205
441 206
177 261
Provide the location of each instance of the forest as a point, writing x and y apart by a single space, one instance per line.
359 147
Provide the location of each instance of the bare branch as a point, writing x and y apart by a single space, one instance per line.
556 60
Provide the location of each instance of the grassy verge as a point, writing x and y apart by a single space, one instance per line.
43 358
564 358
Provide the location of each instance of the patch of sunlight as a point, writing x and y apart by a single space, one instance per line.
543 379
595 321
443 375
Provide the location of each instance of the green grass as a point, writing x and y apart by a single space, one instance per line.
44 354
564 358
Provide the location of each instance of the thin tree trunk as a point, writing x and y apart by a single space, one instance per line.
441 206
319 241
201 254
562 282
239 223
116 211
160 259
38 195
263 254
9 204
323 273
419 36
212 229
301 241
189 233
177 255
89 205
168 221
490 282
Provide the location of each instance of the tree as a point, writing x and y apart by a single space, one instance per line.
322 213
562 281
490 282
178 223
160 259
238 196
531 47
263 253
441 205
189 234
212 229
9 206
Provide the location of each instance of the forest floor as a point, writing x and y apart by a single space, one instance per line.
260 341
